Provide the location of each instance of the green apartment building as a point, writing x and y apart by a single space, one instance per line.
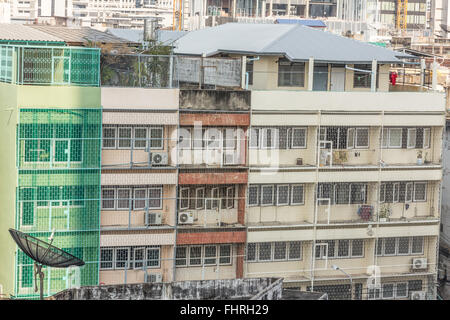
50 114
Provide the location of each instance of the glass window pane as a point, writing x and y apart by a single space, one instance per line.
140 198
295 249
181 255
395 138
106 258
108 199
417 245
123 198
210 254
362 138
251 252
121 258
267 195
343 248
140 138
388 290
279 251
124 137
283 195
389 246
195 255
265 251
225 254
152 257
403 245
297 194
155 198
357 248
420 191
109 137
298 138
253 195
156 138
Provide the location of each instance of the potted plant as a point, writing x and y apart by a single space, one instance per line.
384 213
419 157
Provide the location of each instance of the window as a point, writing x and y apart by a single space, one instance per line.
411 141
392 138
389 246
225 254
108 198
200 198
279 251
156 138
138 257
267 192
253 195
265 251
282 195
298 138
357 248
358 138
184 198
426 137
403 245
230 197
122 258
251 252
123 199
291 74
249 70
420 189
140 196
362 79
417 245
106 258
210 255
124 138
195 256
109 138
155 198
297 195
295 250
401 290
344 248
153 257
388 290
269 138
409 192
184 138
342 191
358 193
140 138
181 256
254 138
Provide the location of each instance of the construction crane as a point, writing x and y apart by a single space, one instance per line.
402 14
177 14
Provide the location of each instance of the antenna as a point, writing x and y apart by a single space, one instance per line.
44 254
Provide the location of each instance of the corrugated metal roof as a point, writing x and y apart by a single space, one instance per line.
296 42
132 35
79 35
303 22
19 32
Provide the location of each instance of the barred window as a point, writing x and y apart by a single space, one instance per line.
225 254
298 137
123 199
210 255
295 250
156 138
251 252
403 245
291 73
140 138
297 194
411 141
343 248
253 195
106 258
138 256
279 251
124 138
181 256
362 79
265 251
109 137
389 246
155 198
184 198
254 138
140 198
195 255
108 198
200 198
267 192
388 290
420 189
357 248
417 245
122 258
282 195
153 257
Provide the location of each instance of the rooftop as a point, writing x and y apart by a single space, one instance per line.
296 42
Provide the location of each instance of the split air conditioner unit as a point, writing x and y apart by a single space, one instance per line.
418 295
419 263
153 218
153 277
159 158
185 218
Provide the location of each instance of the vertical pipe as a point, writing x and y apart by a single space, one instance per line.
310 74
434 78
373 83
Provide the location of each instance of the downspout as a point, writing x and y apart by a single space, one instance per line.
246 73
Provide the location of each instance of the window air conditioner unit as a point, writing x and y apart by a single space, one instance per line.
418 295
419 263
186 218
153 277
153 218
159 158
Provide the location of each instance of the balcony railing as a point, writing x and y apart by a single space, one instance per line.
45 65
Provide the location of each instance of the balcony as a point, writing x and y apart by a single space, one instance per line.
46 65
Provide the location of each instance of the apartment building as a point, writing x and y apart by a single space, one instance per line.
343 171
290 156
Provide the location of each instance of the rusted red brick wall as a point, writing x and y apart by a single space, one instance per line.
215 119
240 261
211 237
213 178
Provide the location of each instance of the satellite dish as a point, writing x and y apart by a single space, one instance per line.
44 254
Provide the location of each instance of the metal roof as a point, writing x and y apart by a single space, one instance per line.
79 35
19 32
133 35
296 42
304 22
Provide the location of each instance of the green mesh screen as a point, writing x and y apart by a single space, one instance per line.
59 153
43 65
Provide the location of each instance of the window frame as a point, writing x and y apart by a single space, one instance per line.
122 199
113 199
140 139
119 139
151 139
185 198
262 195
257 195
292 194
220 256
293 129
278 186
409 139
424 193
140 199
114 139
426 143
197 198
